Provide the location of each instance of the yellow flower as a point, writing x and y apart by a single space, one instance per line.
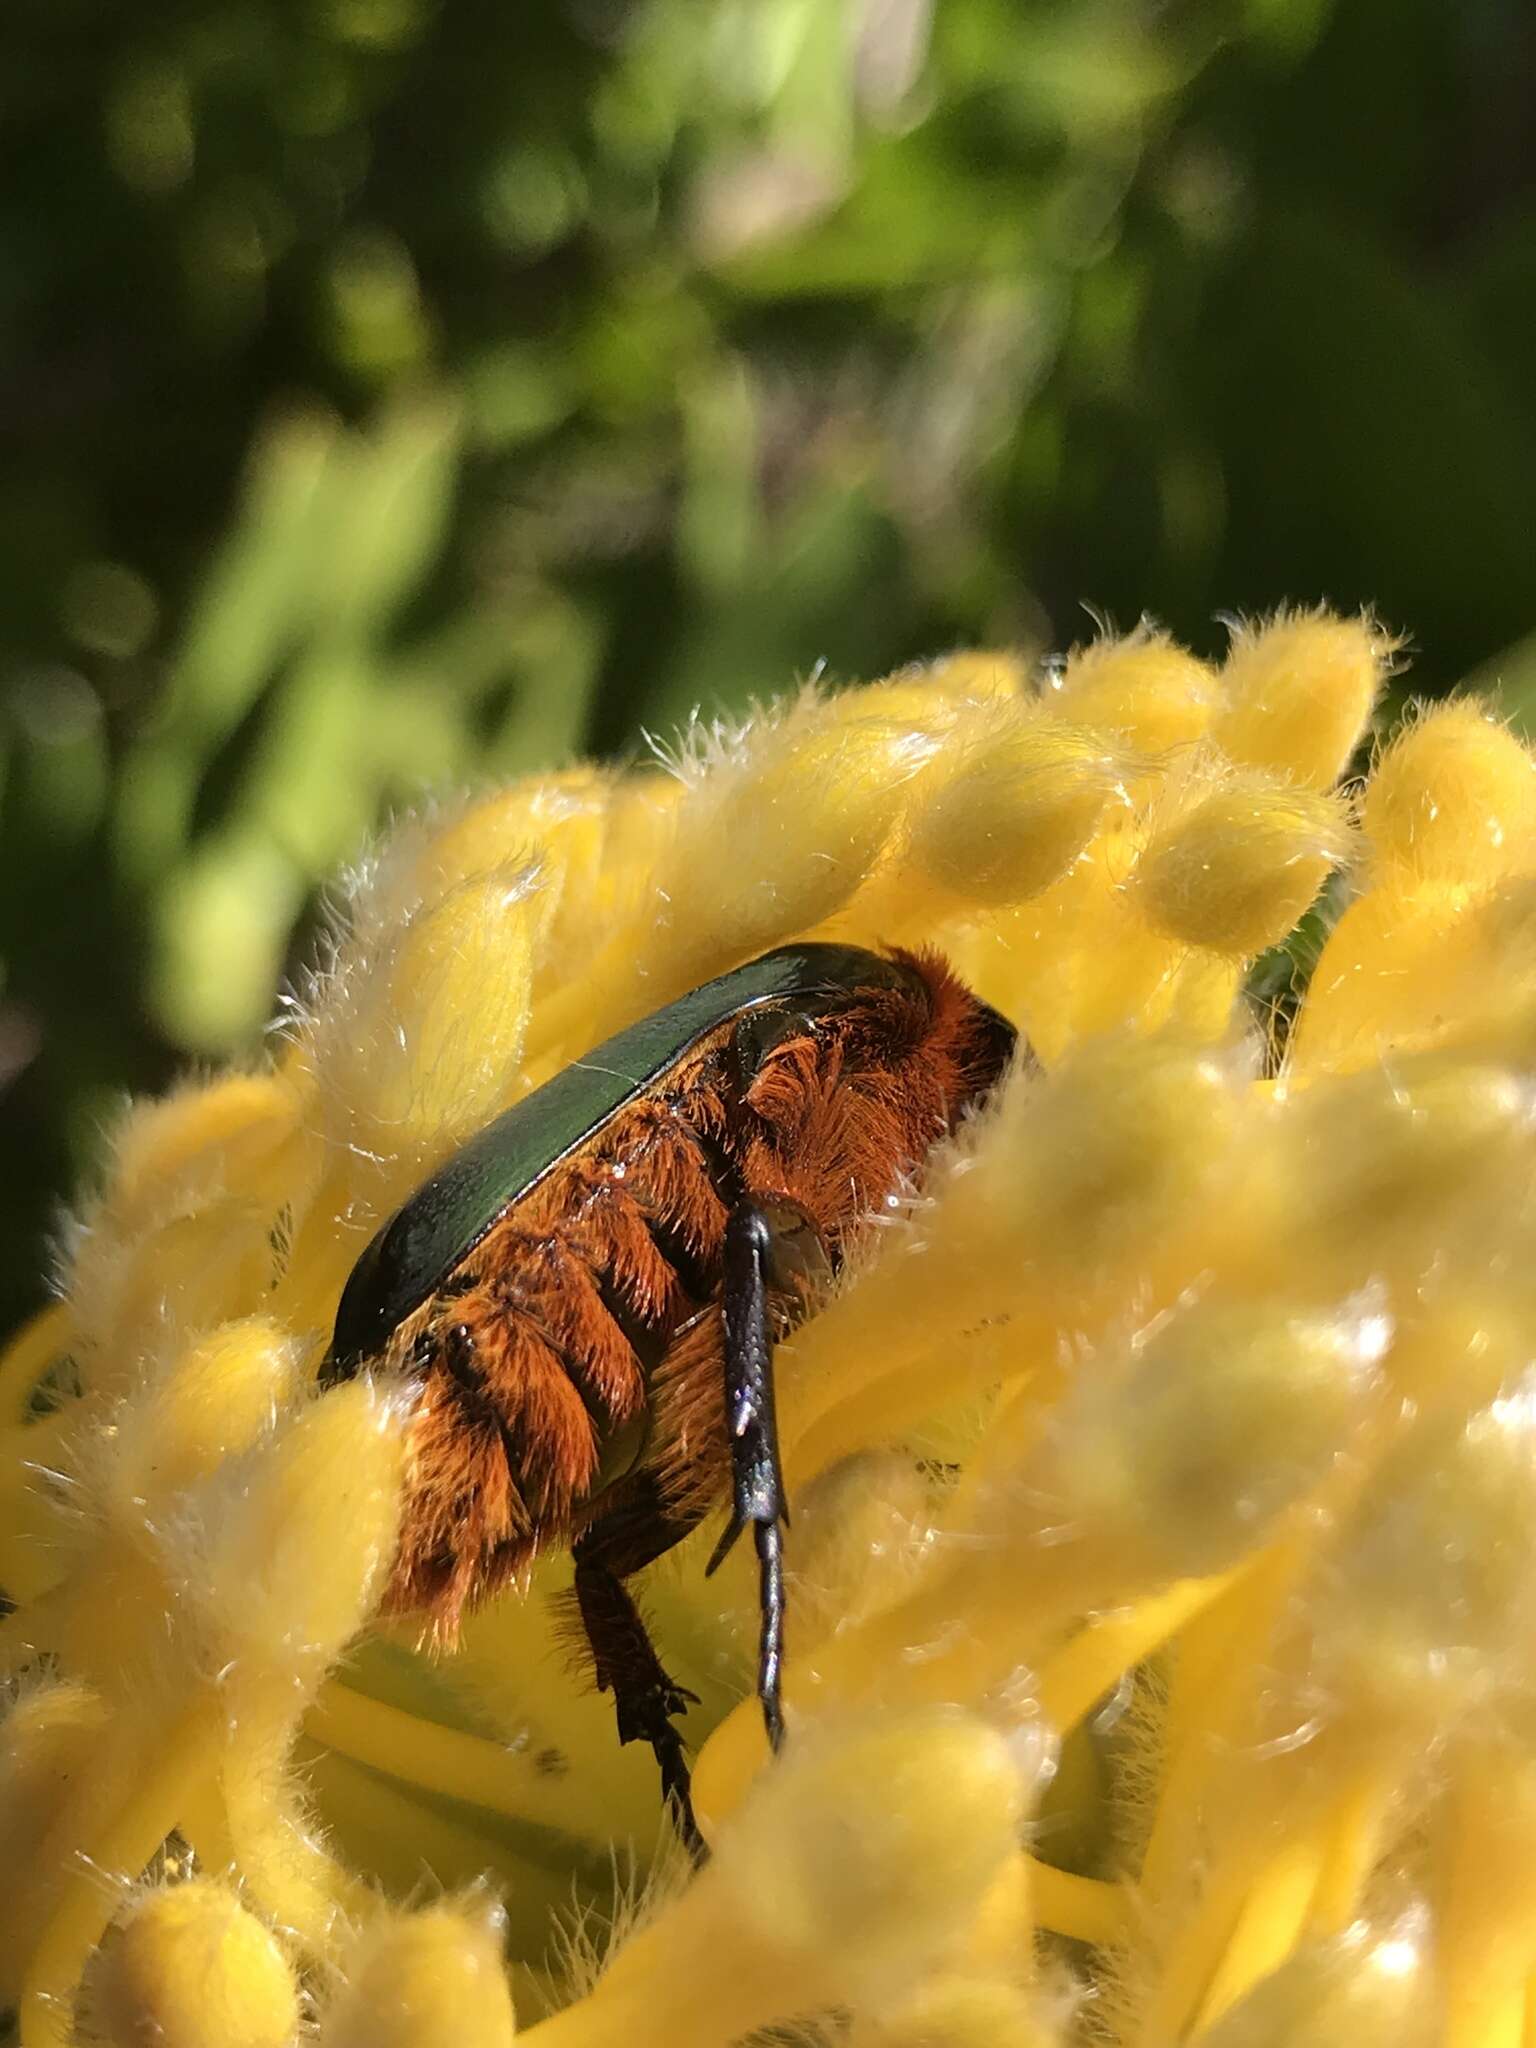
1162 1628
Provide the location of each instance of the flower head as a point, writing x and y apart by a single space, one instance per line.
1163 1562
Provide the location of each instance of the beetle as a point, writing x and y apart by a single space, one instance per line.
588 1292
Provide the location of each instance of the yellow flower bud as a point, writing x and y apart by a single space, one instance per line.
1453 798
1015 812
1435 1149
1297 694
207 1404
190 1967
979 672
295 1540
429 1979
179 1153
188 1217
1413 965
1177 1463
778 850
1427 1606
876 1850
423 1048
212 1401
1236 869
1146 688
940 694
555 818
854 1866
1120 1145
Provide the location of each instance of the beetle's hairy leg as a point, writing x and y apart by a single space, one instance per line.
626 1537
757 1478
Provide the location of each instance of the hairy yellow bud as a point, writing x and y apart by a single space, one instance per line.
557 819
1429 1603
1217 1422
1092 1182
1453 798
1298 693
1145 688
1400 968
211 1402
1433 1144
430 1979
1015 812
187 1218
783 848
1236 869
977 672
189 1967
424 1047
196 1144
296 1539
865 1840
846 1875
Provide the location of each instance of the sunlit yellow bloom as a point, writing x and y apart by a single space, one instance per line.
1162 1633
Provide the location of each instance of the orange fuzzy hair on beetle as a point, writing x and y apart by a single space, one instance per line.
599 1292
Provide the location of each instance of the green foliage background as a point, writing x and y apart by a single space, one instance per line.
400 392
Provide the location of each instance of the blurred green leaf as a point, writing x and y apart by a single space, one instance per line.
1345 381
1510 680
221 931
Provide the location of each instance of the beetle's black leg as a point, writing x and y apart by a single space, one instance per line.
757 1478
628 1536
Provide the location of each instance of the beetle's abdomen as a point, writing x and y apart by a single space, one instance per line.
536 1352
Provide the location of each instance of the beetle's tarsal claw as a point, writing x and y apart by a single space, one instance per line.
678 1794
729 1538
